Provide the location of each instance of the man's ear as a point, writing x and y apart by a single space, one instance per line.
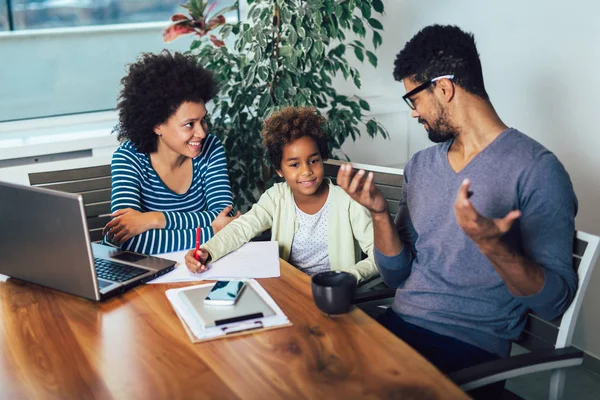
447 89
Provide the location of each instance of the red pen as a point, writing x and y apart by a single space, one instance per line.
198 233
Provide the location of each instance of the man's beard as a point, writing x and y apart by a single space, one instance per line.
441 130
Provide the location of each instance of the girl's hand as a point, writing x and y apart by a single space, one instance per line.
199 265
223 219
127 223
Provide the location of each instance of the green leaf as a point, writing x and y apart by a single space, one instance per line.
286 15
377 40
265 101
317 50
225 31
195 44
358 27
344 70
301 32
378 6
359 54
262 39
383 131
292 62
372 58
262 73
359 44
364 105
365 8
307 43
292 38
357 81
285 51
372 128
375 23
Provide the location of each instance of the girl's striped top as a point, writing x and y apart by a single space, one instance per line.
136 185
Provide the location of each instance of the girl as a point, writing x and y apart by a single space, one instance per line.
315 222
168 176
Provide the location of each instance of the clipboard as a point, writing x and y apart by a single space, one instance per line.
254 311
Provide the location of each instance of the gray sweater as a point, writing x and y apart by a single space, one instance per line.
444 283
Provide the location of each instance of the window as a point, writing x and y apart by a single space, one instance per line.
36 14
68 56
3 17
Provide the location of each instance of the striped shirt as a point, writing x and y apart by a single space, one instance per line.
136 185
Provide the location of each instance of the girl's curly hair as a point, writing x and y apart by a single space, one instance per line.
289 124
152 91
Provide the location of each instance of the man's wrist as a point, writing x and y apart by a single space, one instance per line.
490 246
380 216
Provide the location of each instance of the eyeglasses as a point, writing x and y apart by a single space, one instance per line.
407 96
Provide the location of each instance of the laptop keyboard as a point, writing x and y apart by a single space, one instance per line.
116 272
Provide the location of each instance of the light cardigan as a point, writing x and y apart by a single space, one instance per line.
348 223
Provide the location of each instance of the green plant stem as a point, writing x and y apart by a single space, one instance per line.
275 53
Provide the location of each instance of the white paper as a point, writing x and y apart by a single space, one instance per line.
252 260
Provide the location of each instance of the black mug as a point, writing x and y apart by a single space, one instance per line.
333 291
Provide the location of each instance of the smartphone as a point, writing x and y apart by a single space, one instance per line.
224 293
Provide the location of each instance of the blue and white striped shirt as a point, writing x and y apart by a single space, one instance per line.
136 185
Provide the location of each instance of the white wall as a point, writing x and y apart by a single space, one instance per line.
540 60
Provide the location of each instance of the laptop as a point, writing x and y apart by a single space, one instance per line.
44 240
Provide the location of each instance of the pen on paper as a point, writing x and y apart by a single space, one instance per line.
198 235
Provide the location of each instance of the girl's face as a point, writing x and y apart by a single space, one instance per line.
302 166
184 131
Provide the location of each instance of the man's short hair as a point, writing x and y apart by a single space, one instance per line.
442 50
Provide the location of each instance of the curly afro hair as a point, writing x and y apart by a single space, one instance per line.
289 124
152 91
442 50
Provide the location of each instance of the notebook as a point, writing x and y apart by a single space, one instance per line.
254 311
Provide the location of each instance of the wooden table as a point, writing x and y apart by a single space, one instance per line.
53 345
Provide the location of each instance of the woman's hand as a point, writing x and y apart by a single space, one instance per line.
127 223
223 219
197 265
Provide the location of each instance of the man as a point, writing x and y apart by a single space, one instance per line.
485 228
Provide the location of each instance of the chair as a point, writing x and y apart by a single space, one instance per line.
93 183
389 181
549 341
561 354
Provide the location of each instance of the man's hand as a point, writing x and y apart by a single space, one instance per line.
197 265
223 219
127 223
480 229
363 192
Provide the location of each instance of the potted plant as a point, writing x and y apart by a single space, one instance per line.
286 54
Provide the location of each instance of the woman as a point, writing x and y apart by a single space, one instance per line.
168 175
